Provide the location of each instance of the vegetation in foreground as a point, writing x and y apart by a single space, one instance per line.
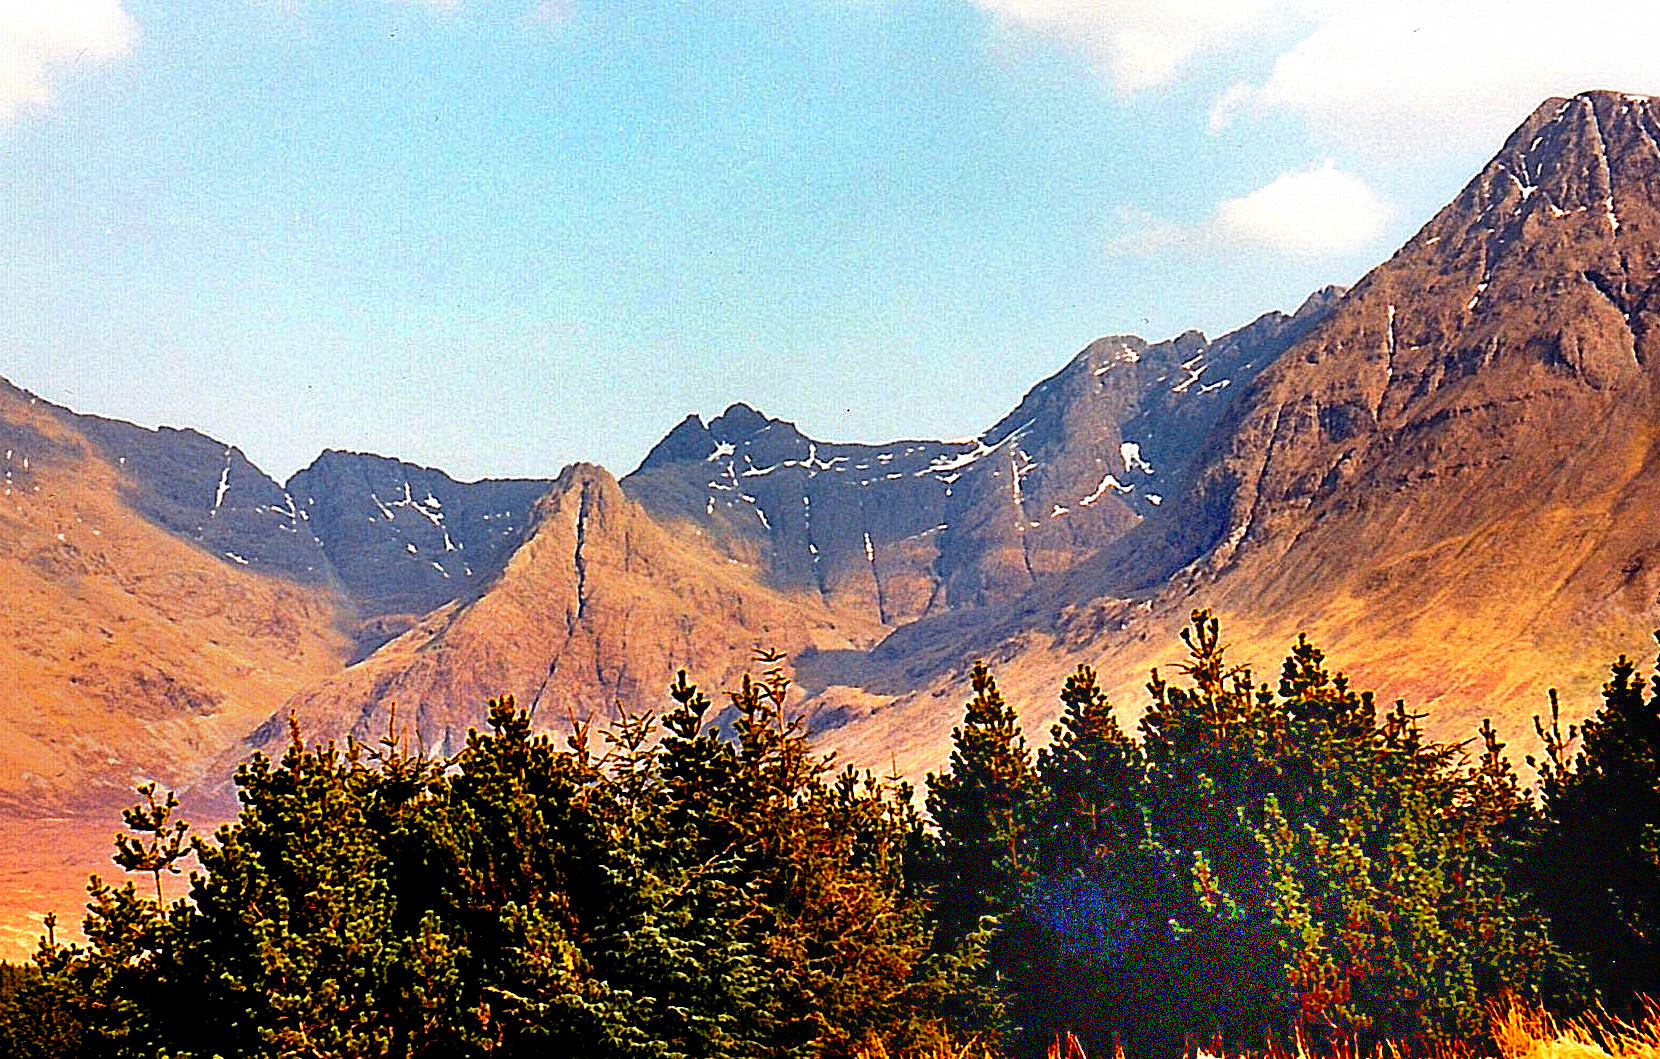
1266 862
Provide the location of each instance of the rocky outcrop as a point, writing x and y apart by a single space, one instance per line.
133 649
403 539
1449 481
911 528
599 605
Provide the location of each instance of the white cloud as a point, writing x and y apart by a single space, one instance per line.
1311 213
1386 76
39 36
1137 44
1317 211
551 13
1436 74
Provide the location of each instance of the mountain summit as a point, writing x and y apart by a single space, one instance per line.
1449 481
1447 475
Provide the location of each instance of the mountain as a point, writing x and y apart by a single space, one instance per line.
1447 475
133 638
744 533
1450 481
599 605
136 642
910 528
403 540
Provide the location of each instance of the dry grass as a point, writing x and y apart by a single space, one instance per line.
1528 1033
1519 1032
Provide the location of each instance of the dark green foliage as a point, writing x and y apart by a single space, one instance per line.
696 896
1094 810
39 1005
1267 858
1273 858
1091 908
1595 862
983 808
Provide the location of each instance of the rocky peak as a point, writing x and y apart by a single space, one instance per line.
913 526
1586 155
740 423
404 539
1485 361
689 440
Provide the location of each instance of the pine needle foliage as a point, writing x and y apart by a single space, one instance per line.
983 807
655 889
1274 858
1267 858
1596 859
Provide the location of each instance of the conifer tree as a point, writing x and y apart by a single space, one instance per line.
983 808
1595 864
1080 922
1346 876
1091 773
689 896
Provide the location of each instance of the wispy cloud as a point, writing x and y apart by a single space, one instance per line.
1428 74
1405 74
39 37
1136 44
1313 212
551 13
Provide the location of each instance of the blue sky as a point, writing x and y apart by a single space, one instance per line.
496 236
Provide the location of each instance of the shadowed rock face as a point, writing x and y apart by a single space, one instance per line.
1450 481
917 527
206 491
404 539
396 538
599 605
1448 476
132 641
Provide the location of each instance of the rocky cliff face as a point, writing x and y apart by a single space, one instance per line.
206 491
1449 481
599 605
131 649
910 528
403 539
1448 476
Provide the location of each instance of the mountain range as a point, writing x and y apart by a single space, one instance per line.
1446 475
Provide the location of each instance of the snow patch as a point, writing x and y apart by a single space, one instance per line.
219 494
1193 373
1109 482
1131 453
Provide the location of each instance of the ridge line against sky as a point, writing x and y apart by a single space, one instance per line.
495 236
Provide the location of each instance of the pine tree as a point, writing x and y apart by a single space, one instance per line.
1346 876
1092 774
1080 921
683 894
1595 864
983 808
